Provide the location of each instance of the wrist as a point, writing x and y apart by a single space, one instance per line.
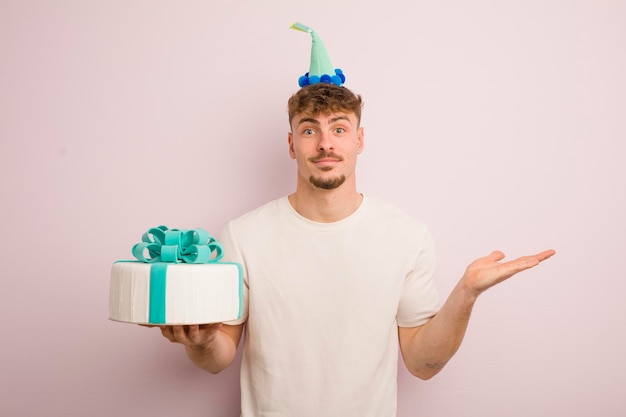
469 295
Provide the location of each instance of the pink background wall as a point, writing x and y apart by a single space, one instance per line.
500 124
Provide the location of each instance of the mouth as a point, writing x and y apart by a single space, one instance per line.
325 164
325 159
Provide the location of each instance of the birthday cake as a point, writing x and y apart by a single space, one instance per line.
177 278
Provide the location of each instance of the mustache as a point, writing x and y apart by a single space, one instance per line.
323 155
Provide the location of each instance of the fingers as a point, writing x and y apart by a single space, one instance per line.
497 255
533 260
190 335
488 271
199 332
179 334
524 262
545 254
168 332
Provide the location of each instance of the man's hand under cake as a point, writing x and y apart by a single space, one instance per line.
192 335
210 346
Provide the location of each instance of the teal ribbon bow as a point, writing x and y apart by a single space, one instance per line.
167 246
195 246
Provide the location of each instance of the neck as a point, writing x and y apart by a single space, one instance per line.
326 206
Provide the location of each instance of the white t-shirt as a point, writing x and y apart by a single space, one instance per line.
323 302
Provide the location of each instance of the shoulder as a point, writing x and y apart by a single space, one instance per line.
257 217
393 215
398 226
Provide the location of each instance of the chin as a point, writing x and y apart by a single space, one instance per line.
327 183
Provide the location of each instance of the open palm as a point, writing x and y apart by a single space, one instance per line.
488 271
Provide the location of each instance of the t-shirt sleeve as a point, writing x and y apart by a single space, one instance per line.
419 300
233 254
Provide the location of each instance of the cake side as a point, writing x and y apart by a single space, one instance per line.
129 291
176 293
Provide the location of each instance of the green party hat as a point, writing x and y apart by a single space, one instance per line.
320 70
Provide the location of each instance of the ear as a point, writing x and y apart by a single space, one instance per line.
292 152
360 138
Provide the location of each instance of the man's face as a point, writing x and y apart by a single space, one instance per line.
325 148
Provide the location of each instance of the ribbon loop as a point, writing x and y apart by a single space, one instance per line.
195 246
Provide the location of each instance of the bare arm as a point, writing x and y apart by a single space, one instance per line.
211 347
426 349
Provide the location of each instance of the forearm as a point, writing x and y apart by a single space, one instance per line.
427 349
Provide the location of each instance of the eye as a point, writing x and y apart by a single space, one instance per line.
308 131
340 130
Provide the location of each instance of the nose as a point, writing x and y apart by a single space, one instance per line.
325 142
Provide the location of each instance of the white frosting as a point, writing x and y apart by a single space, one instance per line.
195 293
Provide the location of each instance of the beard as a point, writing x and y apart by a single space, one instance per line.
327 183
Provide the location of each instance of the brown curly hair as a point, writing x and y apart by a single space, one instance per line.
323 98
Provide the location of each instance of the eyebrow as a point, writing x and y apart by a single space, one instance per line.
308 120
316 122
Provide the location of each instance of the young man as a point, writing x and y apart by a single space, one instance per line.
334 282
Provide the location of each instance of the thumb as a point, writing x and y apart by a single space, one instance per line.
495 256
